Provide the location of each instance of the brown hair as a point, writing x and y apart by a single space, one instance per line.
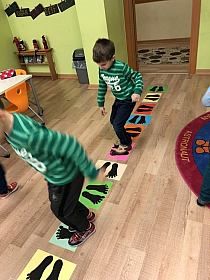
103 50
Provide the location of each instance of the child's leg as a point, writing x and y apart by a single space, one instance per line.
205 187
66 206
120 114
3 182
206 98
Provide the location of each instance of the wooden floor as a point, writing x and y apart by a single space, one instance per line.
149 227
164 68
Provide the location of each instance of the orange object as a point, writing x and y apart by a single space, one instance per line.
20 72
18 98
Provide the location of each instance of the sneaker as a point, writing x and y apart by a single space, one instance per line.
13 187
121 150
91 218
79 237
201 202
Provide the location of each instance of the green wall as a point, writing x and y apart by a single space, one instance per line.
116 27
7 58
92 26
203 59
62 31
106 20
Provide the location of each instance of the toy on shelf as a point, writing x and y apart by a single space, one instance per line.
44 42
36 45
17 43
22 45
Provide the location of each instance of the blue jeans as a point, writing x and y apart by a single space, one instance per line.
3 182
205 187
121 110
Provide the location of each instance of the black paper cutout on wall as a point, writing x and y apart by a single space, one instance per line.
51 10
64 5
12 9
23 12
37 11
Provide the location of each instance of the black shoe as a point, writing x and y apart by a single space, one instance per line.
202 203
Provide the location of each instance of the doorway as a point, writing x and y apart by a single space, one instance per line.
131 33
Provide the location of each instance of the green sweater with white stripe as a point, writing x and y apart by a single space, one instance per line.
59 157
122 80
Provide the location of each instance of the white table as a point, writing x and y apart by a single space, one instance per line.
12 82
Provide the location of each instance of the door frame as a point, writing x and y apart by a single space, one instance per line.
131 34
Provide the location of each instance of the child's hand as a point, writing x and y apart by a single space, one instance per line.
103 111
135 97
101 175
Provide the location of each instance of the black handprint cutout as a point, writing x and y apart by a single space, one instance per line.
100 188
95 199
54 275
113 172
36 274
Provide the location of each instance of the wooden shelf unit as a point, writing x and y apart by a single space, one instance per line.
43 52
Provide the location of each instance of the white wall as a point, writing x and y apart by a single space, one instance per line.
163 20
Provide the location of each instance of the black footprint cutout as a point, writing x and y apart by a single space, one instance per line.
160 89
133 129
152 95
154 89
142 120
105 165
113 172
63 233
152 99
134 119
36 274
54 275
144 108
133 134
100 188
95 199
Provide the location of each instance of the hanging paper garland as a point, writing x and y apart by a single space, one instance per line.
64 5
50 10
12 9
37 11
23 12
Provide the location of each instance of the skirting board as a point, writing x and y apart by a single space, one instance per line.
60 76
203 71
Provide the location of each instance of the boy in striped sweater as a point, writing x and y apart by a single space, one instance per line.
64 164
126 85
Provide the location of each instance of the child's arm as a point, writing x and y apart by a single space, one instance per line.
136 77
102 89
66 147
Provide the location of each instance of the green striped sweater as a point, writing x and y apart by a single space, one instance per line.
57 156
122 80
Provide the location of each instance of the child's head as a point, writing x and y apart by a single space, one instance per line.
104 53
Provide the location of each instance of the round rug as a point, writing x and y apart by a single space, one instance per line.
192 151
